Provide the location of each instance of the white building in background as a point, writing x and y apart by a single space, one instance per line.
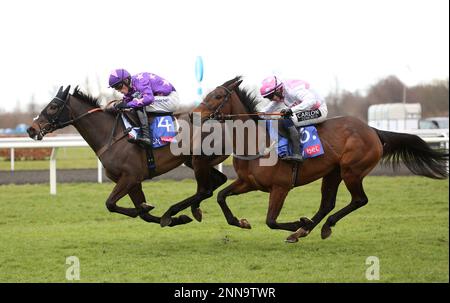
395 116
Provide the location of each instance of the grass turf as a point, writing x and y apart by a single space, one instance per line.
405 225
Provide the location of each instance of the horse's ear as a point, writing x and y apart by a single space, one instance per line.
58 94
234 85
65 93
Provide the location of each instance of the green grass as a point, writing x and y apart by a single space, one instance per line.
405 225
66 158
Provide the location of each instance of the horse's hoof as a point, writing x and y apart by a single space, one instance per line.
243 223
302 232
291 239
165 221
197 213
185 219
326 232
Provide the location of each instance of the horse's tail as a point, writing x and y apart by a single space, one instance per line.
415 153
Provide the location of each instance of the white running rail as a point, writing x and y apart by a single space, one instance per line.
48 142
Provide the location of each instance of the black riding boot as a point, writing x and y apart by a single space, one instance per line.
144 138
294 137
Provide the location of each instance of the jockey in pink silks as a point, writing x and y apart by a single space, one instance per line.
299 104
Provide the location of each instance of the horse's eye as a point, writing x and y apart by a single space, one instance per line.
218 97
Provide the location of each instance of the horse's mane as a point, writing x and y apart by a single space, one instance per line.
77 93
248 97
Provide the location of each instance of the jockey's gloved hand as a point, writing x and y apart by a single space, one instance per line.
286 112
120 106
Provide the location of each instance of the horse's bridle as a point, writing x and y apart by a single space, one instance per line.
54 122
216 115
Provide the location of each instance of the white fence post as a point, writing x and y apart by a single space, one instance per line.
53 171
12 159
99 171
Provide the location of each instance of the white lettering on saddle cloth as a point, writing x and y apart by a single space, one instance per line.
310 142
163 130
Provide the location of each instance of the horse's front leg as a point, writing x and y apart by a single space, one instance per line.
277 196
166 219
138 197
205 188
236 188
123 187
208 180
217 179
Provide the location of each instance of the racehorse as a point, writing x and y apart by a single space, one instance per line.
125 163
351 150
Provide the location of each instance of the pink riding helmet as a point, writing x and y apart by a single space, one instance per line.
269 85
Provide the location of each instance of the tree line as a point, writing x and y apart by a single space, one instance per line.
433 96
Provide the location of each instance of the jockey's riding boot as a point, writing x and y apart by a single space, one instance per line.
144 138
294 137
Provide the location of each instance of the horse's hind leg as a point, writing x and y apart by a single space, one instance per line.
359 199
330 185
138 197
236 188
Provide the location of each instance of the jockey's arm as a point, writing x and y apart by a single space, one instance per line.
309 100
145 97
267 106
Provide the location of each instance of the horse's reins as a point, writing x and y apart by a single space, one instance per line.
112 140
250 114
55 124
217 115
217 110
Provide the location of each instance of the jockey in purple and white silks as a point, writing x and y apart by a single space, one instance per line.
299 104
144 91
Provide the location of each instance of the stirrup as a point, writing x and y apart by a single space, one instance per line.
142 141
297 158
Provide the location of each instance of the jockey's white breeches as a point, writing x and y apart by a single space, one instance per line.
170 104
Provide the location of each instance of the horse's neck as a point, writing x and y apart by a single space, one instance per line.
95 128
239 109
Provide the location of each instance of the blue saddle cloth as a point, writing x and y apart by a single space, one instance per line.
310 145
163 130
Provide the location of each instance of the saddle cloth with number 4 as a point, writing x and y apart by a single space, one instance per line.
162 130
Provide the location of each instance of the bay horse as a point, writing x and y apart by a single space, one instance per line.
351 150
124 163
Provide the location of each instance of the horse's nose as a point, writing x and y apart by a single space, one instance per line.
31 132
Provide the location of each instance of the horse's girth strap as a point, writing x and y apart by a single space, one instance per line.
295 168
112 139
101 151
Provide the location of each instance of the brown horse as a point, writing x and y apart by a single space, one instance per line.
125 163
352 149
